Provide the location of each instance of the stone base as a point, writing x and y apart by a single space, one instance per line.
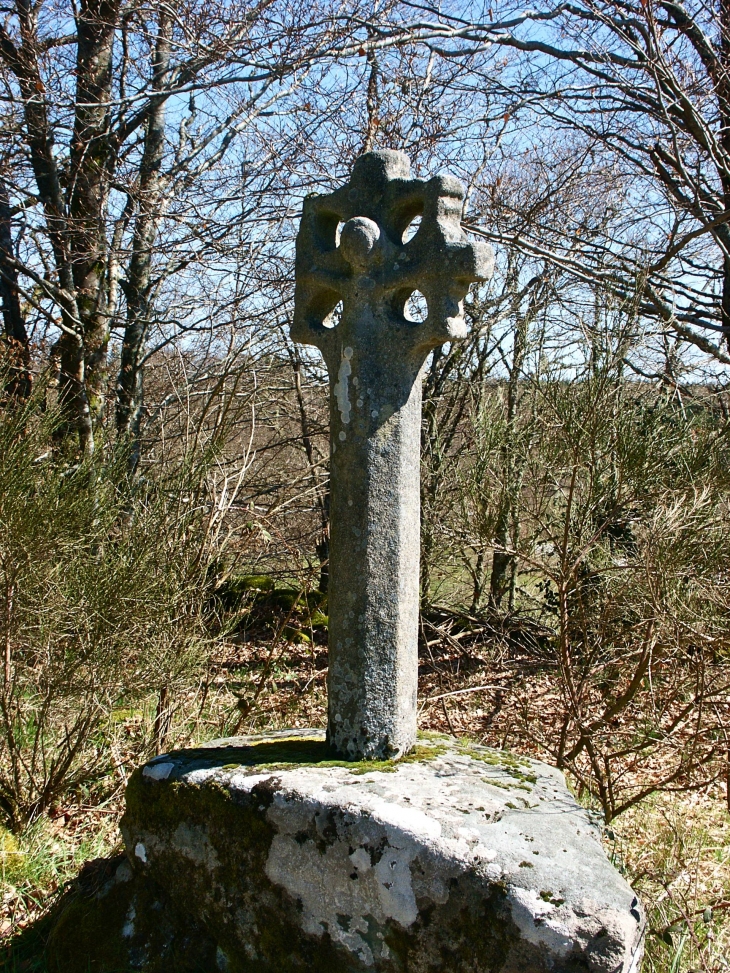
456 858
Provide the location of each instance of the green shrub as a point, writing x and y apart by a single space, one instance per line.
102 595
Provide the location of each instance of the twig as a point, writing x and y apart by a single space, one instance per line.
460 692
448 718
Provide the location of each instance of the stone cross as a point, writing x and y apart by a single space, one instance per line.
350 249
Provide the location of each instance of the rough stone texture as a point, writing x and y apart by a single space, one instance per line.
115 920
374 357
456 858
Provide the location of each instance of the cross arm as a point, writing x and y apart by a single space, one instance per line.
321 271
440 261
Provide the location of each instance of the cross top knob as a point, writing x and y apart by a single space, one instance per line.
350 249
358 239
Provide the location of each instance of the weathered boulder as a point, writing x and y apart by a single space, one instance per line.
456 857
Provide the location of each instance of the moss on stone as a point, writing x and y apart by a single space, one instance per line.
259 932
487 755
506 785
126 925
509 763
467 933
282 753
548 896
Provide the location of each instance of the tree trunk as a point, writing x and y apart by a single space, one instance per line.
725 305
91 165
130 386
323 547
323 496
19 385
430 481
504 563
76 224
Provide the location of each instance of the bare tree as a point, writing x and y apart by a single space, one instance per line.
646 88
104 145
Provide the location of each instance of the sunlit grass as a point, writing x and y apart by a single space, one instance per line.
38 863
675 851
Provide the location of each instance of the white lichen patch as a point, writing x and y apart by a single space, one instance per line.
364 873
128 927
361 860
540 922
408 820
342 893
158 771
341 390
395 887
243 781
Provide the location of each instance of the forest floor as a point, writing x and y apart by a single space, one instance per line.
674 848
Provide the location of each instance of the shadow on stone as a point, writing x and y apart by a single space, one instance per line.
285 750
112 921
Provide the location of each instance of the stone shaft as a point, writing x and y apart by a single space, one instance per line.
374 544
350 249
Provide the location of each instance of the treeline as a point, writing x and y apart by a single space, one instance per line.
574 522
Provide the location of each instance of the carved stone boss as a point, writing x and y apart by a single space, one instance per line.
350 248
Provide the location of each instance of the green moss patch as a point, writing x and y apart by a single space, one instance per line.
281 753
509 763
262 605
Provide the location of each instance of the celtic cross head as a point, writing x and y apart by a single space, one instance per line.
351 249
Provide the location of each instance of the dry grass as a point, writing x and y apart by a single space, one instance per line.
36 865
675 850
